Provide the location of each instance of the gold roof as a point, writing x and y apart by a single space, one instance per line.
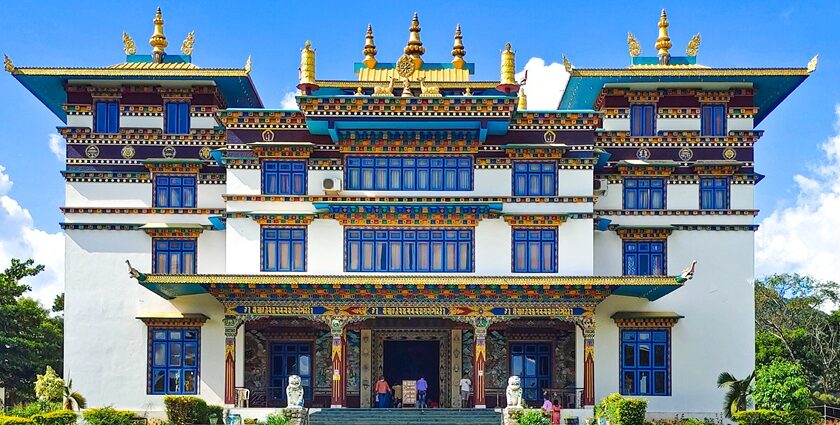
380 75
154 65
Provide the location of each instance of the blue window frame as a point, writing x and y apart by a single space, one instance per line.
289 359
178 118
174 356
714 193
643 120
399 250
534 178
284 249
107 117
173 191
174 256
713 119
284 177
645 362
535 250
410 173
644 258
531 362
644 194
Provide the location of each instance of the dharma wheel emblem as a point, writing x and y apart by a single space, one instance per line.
92 151
169 152
686 154
204 153
127 152
643 153
405 66
729 153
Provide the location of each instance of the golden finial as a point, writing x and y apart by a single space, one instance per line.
522 101
158 40
566 64
307 64
128 44
663 42
370 49
7 64
458 49
633 44
812 64
415 48
187 45
508 66
693 45
248 65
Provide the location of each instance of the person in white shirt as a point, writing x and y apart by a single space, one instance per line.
465 391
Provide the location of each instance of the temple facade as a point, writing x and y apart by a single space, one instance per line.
409 222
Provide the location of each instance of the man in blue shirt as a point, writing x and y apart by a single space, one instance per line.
422 387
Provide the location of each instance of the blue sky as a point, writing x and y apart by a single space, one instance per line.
591 34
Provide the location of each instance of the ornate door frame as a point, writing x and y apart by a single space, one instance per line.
442 336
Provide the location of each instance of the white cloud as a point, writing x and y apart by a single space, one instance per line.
289 101
805 237
545 84
19 238
56 144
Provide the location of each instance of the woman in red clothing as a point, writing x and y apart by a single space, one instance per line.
556 412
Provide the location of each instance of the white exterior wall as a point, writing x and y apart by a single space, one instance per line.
682 196
676 124
132 195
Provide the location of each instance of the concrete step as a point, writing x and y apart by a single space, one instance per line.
405 417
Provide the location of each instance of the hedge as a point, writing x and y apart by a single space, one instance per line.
108 416
58 417
184 410
15 420
777 417
622 411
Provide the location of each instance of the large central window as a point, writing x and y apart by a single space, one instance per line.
416 173
403 250
644 194
173 361
644 362
534 178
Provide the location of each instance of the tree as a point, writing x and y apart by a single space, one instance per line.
30 338
49 387
781 385
737 392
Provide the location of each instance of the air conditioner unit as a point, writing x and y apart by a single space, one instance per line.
331 185
600 187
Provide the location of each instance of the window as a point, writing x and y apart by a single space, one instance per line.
173 361
107 117
284 177
409 173
535 250
644 258
714 193
643 120
289 359
178 118
713 120
174 256
398 250
284 249
644 194
175 191
532 364
645 358
534 178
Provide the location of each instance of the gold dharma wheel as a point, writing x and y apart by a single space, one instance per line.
405 66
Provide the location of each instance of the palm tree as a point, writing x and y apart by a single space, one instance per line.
737 392
72 397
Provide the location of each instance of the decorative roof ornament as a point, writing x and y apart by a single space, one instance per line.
248 65
522 101
663 42
458 49
187 45
633 44
7 64
415 48
128 45
812 64
566 64
508 65
307 69
693 45
370 49
158 40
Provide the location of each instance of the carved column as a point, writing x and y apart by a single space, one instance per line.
231 324
338 356
587 326
455 360
480 327
365 361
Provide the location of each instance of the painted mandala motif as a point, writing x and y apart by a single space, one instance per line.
92 151
405 66
686 154
169 152
729 153
204 153
127 152
643 153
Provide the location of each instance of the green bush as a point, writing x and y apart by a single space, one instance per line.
622 411
278 418
108 416
32 409
218 411
826 399
183 410
781 385
15 420
59 417
533 417
777 417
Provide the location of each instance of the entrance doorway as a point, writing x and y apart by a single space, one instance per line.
532 363
289 359
409 360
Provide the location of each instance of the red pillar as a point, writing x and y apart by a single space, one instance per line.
231 328
339 357
480 359
588 328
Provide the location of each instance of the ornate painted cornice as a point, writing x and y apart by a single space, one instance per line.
116 210
181 166
676 138
538 152
271 120
400 107
716 227
409 215
717 168
688 72
412 200
677 212
174 320
298 151
279 219
527 220
100 226
175 230
642 232
554 120
645 319
106 177
646 168
144 136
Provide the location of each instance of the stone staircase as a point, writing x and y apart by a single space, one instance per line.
405 417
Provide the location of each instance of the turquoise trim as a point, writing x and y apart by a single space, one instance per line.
651 292
331 127
171 291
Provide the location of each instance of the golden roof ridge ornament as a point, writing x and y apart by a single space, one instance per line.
187 45
248 65
128 44
158 40
567 65
7 64
415 48
307 69
693 46
812 64
507 78
663 42
458 50
522 102
633 45
370 49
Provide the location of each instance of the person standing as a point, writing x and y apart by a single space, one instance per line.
422 388
383 393
397 395
556 413
465 391
547 406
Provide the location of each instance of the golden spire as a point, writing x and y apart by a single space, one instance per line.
158 40
508 66
663 42
128 44
370 49
523 100
693 45
458 49
633 44
187 45
415 48
307 64
7 64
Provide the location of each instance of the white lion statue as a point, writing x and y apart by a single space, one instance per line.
294 393
514 393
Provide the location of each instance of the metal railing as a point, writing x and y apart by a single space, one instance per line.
830 415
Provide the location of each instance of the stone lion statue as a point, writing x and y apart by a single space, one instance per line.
294 393
514 393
